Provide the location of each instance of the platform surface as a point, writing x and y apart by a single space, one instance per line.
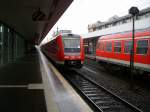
15 80
33 84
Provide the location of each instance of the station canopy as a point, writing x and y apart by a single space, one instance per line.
33 19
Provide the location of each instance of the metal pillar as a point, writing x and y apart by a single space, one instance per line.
134 12
1 44
132 59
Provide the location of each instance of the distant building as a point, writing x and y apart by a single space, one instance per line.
117 24
93 27
113 18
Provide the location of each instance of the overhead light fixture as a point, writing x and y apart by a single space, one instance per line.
38 15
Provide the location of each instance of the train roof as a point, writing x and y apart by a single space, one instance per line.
61 34
125 35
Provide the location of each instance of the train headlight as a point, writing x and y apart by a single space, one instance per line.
66 57
79 57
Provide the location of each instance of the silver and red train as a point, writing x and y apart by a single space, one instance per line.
116 49
65 49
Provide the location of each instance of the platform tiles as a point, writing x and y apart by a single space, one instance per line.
20 86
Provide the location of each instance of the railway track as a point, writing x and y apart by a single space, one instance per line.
140 80
102 99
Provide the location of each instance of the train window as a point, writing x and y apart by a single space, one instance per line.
71 44
117 47
101 46
98 45
108 46
142 47
127 46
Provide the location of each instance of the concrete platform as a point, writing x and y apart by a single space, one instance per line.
24 71
15 80
32 84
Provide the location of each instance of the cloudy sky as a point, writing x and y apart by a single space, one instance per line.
83 12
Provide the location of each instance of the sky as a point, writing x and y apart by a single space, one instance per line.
83 12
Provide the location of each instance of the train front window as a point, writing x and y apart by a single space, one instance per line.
142 47
71 44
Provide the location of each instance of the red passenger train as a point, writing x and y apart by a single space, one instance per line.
65 49
116 49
